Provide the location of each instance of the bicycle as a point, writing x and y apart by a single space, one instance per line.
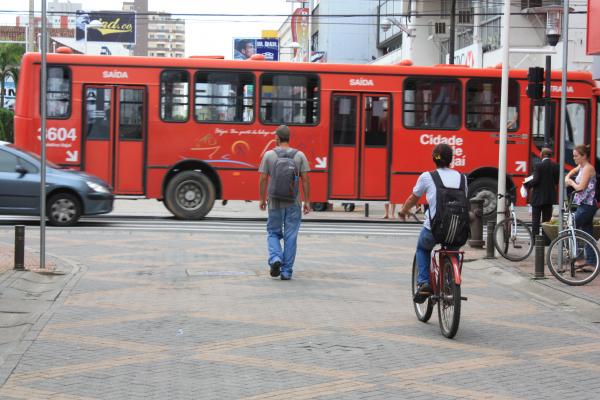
568 247
512 238
445 279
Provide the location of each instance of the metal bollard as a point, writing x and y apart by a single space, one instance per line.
19 247
476 225
539 257
489 243
366 209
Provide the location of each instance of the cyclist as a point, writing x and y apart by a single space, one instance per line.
442 157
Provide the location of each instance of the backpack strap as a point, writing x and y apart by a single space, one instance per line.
437 180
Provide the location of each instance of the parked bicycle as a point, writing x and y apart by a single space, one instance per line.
512 238
445 278
568 247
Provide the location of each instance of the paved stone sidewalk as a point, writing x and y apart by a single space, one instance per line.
196 316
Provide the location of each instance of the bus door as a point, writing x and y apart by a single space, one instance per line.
114 135
360 146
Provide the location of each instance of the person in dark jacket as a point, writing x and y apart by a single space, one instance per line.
543 186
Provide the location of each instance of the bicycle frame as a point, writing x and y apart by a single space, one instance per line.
436 280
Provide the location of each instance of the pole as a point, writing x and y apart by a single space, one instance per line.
503 112
452 32
563 114
43 90
31 28
547 102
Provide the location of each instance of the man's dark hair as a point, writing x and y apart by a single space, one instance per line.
283 133
442 155
241 44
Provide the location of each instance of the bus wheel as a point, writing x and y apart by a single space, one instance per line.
319 206
486 189
190 195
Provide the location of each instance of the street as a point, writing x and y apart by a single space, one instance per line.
193 314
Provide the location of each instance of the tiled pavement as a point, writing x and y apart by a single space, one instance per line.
196 316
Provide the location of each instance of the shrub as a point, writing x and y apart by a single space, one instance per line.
6 125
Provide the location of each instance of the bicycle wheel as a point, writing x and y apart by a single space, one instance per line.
423 310
449 302
513 243
565 250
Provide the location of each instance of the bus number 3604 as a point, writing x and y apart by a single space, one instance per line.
60 134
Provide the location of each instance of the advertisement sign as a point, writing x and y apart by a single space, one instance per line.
300 33
471 56
244 48
593 29
117 27
9 93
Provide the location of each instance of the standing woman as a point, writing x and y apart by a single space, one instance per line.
585 185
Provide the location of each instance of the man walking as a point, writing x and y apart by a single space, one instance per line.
282 168
545 179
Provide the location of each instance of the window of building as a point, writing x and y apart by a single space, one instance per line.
174 96
289 99
491 11
224 97
58 95
483 104
432 103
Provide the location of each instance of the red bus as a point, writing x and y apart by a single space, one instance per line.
190 131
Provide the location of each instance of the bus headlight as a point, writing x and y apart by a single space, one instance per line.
97 187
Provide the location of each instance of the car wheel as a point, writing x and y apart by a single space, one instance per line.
63 209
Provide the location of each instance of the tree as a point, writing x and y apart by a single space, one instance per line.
10 58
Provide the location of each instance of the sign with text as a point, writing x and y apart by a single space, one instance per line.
118 27
244 48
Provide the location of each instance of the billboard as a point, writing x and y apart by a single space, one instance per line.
244 48
593 29
118 27
300 33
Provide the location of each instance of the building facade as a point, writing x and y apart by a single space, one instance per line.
166 36
419 30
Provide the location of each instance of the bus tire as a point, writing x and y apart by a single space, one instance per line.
319 206
487 189
190 195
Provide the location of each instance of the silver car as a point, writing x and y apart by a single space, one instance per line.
70 194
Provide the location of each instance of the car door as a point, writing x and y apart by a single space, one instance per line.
19 185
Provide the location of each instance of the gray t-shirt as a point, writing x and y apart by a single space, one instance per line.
266 166
450 179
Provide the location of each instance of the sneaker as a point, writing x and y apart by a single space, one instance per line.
275 269
423 292
286 277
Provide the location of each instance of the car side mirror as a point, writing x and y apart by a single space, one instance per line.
21 171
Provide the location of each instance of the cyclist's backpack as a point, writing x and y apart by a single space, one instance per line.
283 183
450 225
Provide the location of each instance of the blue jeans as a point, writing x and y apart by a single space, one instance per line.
425 244
283 223
584 220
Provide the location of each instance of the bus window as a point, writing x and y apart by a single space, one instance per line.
174 96
97 108
224 97
576 132
432 103
376 121
483 105
58 95
344 114
289 99
131 114
538 126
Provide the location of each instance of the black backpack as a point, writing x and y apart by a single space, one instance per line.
450 225
283 183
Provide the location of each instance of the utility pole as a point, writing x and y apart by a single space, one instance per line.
31 29
452 31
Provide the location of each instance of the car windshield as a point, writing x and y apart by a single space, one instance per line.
37 157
